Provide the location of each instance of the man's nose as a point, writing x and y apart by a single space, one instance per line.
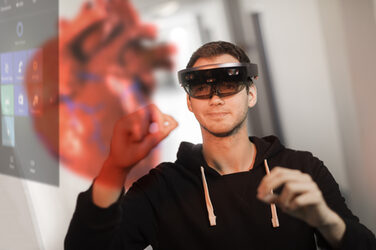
215 98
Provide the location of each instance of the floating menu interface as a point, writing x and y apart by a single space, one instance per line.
25 26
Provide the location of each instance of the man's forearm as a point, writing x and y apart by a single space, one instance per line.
108 185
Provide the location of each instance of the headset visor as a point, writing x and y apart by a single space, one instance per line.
221 79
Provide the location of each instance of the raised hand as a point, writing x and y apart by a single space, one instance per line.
301 198
134 136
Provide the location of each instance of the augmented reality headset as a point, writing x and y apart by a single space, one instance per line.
221 79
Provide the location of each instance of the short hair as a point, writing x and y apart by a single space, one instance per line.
218 48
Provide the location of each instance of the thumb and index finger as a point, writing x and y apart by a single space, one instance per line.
280 177
160 126
147 126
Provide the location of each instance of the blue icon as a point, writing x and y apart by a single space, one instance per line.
19 29
6 68
20 101
19 66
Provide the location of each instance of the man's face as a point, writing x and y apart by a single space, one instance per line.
226 115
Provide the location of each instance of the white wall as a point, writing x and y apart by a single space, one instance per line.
299 66
360 39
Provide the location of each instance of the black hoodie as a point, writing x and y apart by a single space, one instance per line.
167 208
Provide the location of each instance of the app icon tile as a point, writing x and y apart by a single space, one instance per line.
19 66
7 131
35 100
20 101
35 58
6 68
7 100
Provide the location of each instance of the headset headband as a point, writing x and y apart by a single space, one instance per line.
217 73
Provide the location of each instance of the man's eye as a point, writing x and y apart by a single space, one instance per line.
229 85
201 88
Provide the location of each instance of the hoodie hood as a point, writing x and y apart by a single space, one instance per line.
190 155
267 147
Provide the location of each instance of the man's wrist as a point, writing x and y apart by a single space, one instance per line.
112 175
108 185
333 229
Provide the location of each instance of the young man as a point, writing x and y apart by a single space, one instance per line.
217 195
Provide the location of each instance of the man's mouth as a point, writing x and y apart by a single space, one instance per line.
217 114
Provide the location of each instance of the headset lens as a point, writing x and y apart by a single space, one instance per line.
221 89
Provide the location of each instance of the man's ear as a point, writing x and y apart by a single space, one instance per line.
252 95
189 104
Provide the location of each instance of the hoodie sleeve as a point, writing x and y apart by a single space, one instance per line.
356 236
129 223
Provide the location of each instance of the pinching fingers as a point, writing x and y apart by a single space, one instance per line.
306 199
277 177
291 191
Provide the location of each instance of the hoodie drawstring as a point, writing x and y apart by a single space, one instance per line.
209 206
273 208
